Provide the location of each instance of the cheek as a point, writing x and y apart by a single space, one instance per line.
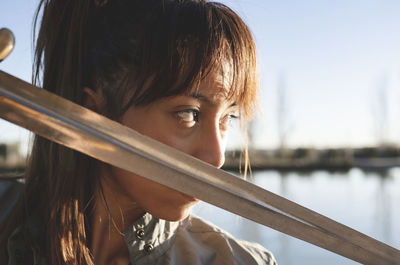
181 143
128 185
158 126
160 201
134 188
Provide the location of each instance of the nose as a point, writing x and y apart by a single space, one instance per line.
211 145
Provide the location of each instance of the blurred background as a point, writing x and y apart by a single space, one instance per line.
326 133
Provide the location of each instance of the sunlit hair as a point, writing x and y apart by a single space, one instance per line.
136 52
133 52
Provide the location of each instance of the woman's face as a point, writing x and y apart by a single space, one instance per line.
196 124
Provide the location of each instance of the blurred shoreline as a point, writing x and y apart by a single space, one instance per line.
332 159
12 162
299 159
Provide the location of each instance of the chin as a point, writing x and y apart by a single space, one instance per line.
174 215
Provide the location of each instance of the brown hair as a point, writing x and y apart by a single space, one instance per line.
134 52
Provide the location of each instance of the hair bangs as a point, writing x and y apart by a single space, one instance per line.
222 43
203 37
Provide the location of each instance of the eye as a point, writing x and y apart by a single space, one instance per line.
188 116
226 121
233 117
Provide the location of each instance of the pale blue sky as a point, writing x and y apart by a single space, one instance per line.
332 56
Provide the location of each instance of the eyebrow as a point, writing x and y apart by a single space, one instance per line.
201 97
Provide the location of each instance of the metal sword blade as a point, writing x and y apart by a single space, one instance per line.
78 128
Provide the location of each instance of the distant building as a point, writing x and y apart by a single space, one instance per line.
10 157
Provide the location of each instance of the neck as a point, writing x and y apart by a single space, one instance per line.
112 215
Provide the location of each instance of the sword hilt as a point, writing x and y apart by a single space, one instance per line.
7 42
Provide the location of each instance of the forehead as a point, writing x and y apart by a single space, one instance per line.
216 85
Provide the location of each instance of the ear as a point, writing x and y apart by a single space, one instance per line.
92 100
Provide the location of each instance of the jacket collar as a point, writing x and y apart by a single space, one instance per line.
148 238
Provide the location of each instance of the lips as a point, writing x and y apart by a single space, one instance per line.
190 198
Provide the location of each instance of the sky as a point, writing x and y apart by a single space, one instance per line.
334 64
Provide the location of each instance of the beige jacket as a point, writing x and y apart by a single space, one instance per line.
191 241
150 240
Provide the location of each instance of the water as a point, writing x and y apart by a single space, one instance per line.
366 201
